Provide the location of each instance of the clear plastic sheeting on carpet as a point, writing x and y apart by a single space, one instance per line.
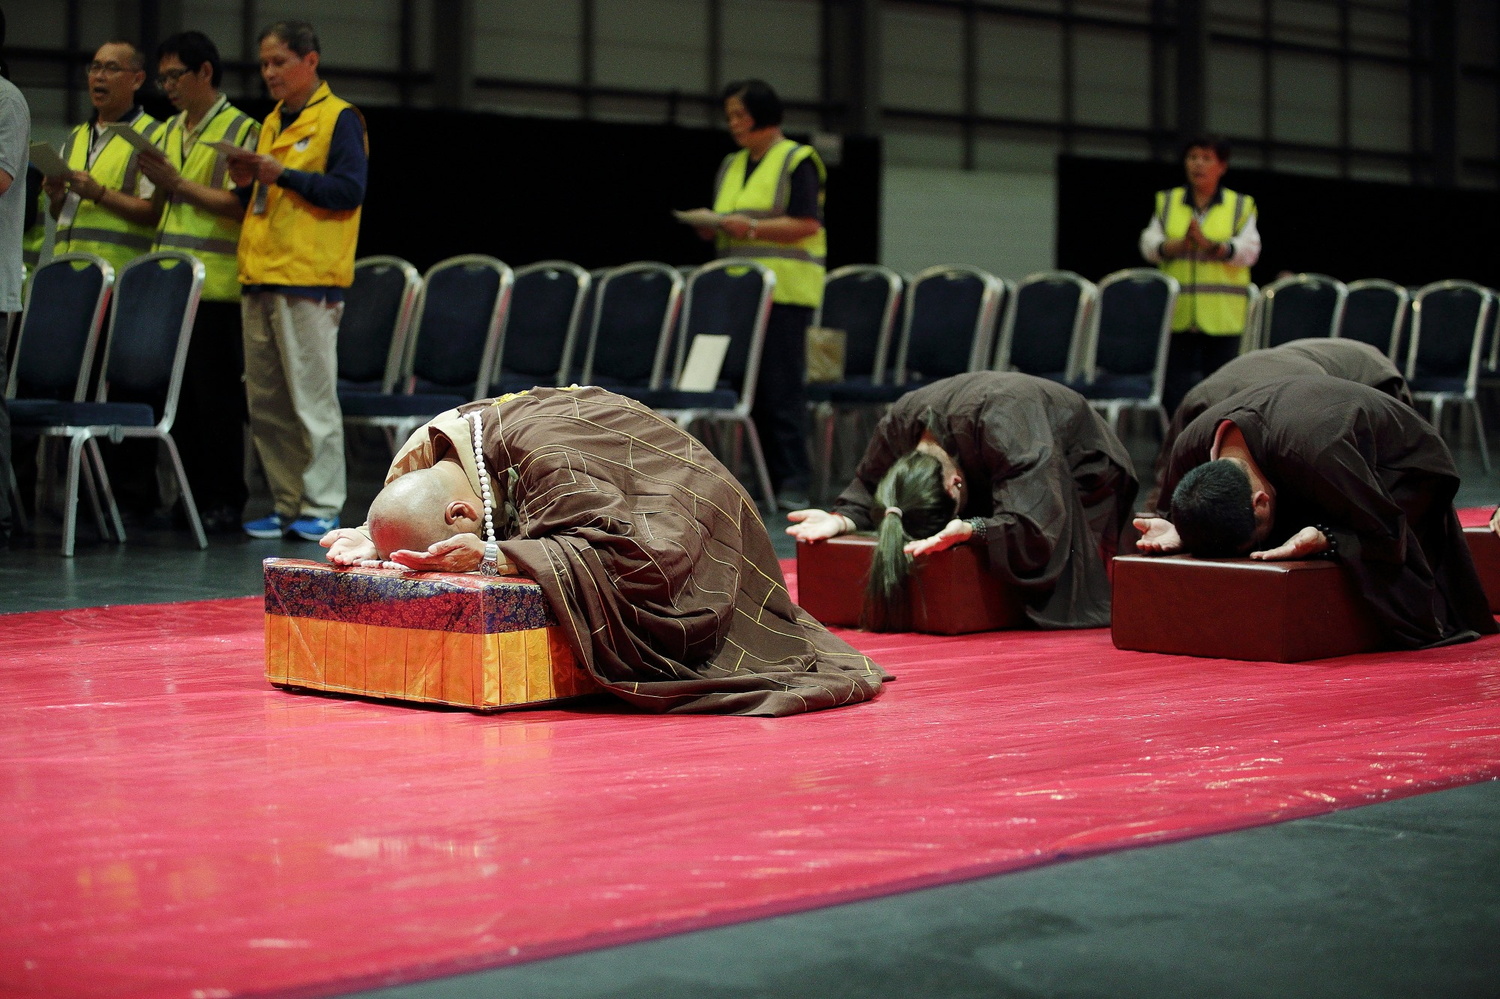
176 827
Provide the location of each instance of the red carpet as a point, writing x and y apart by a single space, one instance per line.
175 827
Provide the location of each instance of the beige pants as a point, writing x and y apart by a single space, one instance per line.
291 385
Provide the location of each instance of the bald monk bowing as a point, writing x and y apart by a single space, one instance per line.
651 555
1348 359
1322 466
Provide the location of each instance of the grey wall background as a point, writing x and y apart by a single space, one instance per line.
972 100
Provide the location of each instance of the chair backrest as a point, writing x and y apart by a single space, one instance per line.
459 316
1044 325
950 323
1300 306
1372 313
542 325
729 297
378 311
1132 324
59 331
1447 331
155 303
861 300
635 312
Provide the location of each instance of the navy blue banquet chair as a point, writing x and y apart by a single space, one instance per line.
729 297
450 352
1373 310
862 301
541 328
1445 348
378 311
630 339
155 302
54 349
1045 326
1125 364
951 313
1300 306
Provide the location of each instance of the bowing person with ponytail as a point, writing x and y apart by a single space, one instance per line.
1021 465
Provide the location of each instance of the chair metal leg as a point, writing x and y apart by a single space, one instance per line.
87 470
761 472
1484 448
70 494
188 503
109 494
15 502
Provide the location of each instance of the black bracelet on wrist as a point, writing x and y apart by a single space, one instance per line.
1332 551
981 529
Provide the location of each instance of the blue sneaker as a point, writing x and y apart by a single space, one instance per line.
272 526
313 528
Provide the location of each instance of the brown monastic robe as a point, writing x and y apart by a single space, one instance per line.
1352 459
1347 359
652 556
1053 482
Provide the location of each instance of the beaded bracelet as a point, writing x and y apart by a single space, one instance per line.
1332 550
981 529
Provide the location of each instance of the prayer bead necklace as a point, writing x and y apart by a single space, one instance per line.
484 483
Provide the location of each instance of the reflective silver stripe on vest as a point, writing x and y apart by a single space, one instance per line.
756 250
204 243
1216 289
784 183
221 163
129 240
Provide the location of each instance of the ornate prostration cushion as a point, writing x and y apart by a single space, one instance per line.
953 592
480 642
1484 545
1282 612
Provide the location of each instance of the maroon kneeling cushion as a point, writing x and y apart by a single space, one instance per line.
952 592
1281 612
1484 545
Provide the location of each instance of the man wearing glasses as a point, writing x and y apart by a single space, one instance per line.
201 215
105 207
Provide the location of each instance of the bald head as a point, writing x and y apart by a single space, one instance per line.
420 509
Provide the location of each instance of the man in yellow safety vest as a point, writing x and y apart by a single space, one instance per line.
1205 236
201 215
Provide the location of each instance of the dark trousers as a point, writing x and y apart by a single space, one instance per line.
780 410
1192 357
210 426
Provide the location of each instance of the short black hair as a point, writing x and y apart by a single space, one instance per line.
194 48
1213 511
1206 140
759 99
298 36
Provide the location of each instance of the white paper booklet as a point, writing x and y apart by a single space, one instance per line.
700 373
702 218
47 160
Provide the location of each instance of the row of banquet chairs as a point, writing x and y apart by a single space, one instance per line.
1442 335
63 387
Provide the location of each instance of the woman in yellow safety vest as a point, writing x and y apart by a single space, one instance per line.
1205 236
769 200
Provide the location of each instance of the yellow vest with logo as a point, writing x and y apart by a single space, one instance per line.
285 239
33 239
1214 294
98 230
211 238
799 266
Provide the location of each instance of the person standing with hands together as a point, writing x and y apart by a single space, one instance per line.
1205 236
303 188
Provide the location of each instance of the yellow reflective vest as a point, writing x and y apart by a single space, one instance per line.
799 266
211 238
1214 293
84 227
286 240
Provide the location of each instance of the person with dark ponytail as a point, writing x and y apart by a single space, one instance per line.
1018 464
